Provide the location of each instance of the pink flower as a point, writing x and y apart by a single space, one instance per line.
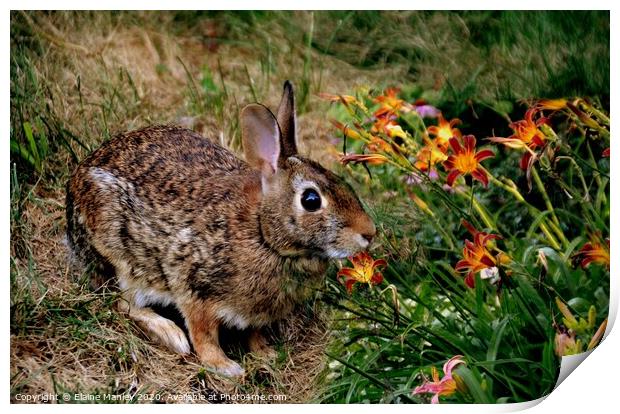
446 386
427 111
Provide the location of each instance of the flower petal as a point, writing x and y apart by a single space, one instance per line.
514 143
469 280
349 285
470 143
456 146
462 264
452 176
347 272
481 175
487 261
484 154
449 163
537 141
525 161
451 363
529 114
469 227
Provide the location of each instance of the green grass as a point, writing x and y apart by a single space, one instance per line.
78 78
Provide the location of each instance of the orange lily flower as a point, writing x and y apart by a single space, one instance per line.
384 123
444 387
527 135
594 251
373 159
363 271
444 131
377 144
466 160
476 255
390 104
346 130
429 155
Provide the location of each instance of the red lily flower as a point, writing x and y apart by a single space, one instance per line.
465 160
363 271
527 135
476 255
594 251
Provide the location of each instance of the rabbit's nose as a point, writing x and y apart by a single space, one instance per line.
368 237
370 233
366 230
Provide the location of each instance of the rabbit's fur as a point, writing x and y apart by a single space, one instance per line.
183 221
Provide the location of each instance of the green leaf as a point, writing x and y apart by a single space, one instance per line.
473 385
43 143
496 339
33 146
19 149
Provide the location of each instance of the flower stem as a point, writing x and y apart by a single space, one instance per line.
557 227
484 215
595 174
512 189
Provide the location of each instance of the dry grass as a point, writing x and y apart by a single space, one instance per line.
67 338
99 74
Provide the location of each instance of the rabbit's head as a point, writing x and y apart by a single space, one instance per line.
305 209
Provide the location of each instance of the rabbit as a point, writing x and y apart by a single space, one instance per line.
182 221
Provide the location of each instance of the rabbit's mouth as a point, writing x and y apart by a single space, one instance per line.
333 253
347 245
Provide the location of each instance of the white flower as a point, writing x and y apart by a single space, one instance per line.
491 273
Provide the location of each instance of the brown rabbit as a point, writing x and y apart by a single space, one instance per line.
184 222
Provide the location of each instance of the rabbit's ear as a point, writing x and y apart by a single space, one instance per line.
260 135
287 119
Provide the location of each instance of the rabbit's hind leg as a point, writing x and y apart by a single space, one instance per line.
259 346
158 328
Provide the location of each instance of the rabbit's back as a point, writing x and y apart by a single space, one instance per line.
163 154
144 198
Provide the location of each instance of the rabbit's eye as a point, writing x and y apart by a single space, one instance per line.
311 200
